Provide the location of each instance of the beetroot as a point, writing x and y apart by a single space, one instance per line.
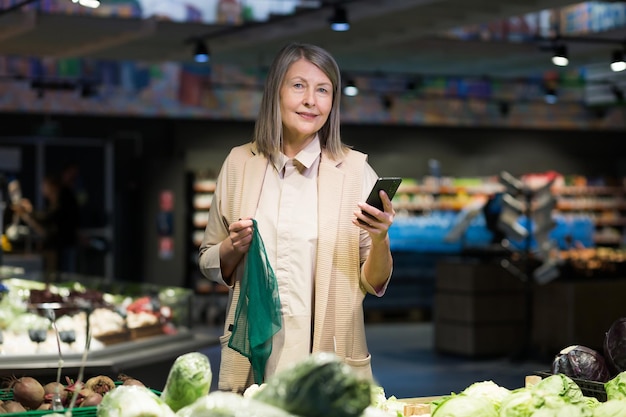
50 389
91 400
27 391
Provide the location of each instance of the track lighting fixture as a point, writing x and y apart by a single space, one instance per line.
350 89
560 56
339 22
617 61
93 4
201 52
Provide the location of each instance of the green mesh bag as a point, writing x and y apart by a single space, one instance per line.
257 316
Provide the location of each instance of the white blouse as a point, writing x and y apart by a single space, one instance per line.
287 219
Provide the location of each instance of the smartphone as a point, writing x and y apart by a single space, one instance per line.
389 185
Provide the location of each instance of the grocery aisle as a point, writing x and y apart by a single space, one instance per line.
406 365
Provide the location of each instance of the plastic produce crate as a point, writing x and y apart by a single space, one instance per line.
589 388
7 394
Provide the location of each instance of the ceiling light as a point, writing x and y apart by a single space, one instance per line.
617 63
339 21
350 89
93 4
560 56
201 52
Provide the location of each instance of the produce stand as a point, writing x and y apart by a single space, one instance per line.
136 329
147 359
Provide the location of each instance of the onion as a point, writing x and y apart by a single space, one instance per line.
27 391
100 384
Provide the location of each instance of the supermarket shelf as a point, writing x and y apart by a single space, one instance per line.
607 240
488 188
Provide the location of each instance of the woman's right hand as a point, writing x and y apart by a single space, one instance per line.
240 235
234 247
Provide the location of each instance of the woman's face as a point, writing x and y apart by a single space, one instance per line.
306 99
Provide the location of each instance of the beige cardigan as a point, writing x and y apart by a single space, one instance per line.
339 285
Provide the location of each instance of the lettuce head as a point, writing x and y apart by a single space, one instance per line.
465 406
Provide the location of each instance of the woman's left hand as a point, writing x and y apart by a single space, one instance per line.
376 222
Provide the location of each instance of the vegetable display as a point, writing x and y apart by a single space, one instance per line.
554 396
323 385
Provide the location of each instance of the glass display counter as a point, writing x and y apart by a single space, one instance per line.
148 359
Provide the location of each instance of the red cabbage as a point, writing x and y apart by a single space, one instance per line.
615 346
578 361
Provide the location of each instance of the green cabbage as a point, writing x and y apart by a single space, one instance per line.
465 406
561 385
381 402
229 404
133 401
616 387
523 402
319 386
592 402
565 410
489 390
611 408
189 379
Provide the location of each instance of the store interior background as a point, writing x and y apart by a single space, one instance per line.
127 162
150 155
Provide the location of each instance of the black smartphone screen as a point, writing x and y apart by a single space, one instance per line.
389 185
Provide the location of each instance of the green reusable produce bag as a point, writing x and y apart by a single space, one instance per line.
257 316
